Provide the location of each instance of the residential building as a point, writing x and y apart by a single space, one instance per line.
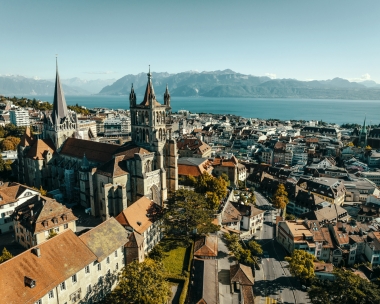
11 196
324 131
329 189
242 280
106 241
372 176
372 248
38 217
305 235
20 117
191 166
234 170
143 225
193 147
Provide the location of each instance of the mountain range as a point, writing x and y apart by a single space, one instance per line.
19 85
228 83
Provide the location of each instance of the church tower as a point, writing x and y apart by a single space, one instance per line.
363 136
151 124
60 124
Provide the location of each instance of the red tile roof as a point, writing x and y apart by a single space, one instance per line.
40 147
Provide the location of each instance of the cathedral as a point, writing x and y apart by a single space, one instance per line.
104 177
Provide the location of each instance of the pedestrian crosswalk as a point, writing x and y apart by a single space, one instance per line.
270 300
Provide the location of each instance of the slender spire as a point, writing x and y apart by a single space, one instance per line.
59 104
364 129
167 96
149 97
132 97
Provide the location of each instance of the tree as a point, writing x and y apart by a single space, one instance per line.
350 144
6 255
301 264
141 283
52 233
207 183
7 145
255 248
280 198
187 211
347 288
156 253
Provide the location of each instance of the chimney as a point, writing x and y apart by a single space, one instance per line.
37 251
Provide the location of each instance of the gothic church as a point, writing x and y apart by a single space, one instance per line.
104 177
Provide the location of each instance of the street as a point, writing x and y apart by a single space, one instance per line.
273 282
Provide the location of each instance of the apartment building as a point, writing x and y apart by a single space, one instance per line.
19 117
38 218
11 196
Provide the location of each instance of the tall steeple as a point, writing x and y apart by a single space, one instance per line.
149 96
364 129
132 97
59 104
167 96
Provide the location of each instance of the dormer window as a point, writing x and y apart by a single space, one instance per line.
28 193
55 220
45 223
29 282
64 217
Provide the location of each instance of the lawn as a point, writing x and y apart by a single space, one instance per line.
177 254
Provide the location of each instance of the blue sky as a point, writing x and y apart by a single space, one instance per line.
109 39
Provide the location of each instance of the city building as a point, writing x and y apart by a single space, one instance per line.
11 196
193 147
143 225
19 117
39 218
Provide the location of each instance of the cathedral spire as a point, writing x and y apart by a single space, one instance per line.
132 97
364 129
149 96
59 104
167 96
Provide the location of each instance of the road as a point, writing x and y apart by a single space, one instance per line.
224 263
273 282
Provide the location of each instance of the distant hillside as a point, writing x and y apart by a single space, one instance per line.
19 85
227 83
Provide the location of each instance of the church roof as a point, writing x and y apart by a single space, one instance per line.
39 149
129 150
242 274
59 105
114 167
95 151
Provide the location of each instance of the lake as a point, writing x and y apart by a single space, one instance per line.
328 110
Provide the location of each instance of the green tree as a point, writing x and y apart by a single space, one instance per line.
52 233
255 248
142 283
280 197
7 145
156 253
187 211
6 255
301 265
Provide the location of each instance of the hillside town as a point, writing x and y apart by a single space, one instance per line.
189 207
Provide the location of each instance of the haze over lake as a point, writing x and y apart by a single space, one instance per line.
333 110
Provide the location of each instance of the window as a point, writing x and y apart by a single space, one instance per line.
38 302
65 226
117 266
115 253
51 294
87 269
99 267
109 272
74 278
108 260
89 288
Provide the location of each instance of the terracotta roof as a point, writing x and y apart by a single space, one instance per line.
129 150
206 246
40 147
95 151
10 192
242 274
136 215
39 213
57 263
114 167
194 144
105 238
230 214
325 267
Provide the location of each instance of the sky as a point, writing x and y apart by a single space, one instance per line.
108 39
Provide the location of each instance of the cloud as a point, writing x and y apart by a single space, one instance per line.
100 72
271 75
364 77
